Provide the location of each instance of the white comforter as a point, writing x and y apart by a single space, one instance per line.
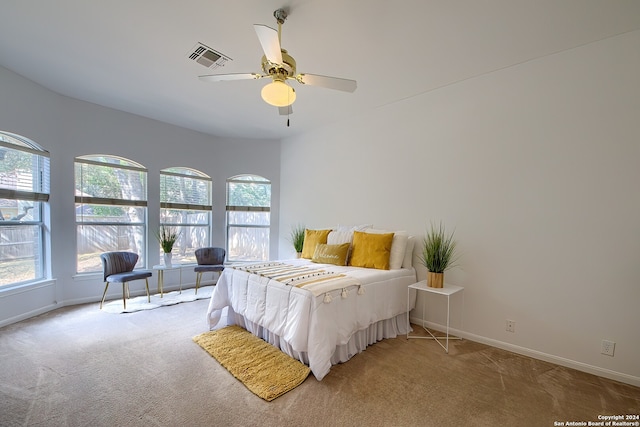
304 324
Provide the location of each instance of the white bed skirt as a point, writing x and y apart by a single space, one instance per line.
388 328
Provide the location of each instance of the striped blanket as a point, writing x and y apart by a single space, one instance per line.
316 281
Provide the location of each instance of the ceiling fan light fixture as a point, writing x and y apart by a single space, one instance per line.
278 94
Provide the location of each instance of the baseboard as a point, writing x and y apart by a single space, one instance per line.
27 315
579 366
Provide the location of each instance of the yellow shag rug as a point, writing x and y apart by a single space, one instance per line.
262 368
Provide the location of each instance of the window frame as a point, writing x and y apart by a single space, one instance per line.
196 175
39 193
246 179
82 200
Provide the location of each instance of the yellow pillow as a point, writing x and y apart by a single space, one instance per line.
331 254
371 250
311 239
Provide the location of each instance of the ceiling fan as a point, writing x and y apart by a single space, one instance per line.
280 67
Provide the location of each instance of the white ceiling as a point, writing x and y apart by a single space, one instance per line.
133 55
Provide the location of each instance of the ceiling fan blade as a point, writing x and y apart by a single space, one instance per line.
336 83
225 77
270 43
285 111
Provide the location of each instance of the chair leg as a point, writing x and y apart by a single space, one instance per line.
104 294
125 291
198 278
148 295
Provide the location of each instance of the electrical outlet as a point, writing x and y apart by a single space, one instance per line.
608 347
511 326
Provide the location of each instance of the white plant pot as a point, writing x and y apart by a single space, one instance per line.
167 259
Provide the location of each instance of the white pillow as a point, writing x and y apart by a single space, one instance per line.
344 233
339 237
408 253
398 246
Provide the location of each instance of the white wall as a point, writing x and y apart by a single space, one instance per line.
68 128
536 166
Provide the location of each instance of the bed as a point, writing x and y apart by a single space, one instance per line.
318 312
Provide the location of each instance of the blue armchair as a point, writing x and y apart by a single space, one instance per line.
209 259
118 268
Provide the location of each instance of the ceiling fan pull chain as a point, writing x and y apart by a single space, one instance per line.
288 109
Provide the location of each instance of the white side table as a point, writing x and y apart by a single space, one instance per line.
447 291
161 268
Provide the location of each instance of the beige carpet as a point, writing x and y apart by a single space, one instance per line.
80 366
262 368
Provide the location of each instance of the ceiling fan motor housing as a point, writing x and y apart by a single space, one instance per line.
287 69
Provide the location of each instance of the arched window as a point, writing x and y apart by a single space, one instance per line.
185 205
111 209
24 192
248 218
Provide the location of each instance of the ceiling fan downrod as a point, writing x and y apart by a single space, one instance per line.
281 16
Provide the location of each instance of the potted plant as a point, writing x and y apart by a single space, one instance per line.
167 237
297 238
438 254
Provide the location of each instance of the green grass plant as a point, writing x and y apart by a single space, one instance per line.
297 237
438 250
167 237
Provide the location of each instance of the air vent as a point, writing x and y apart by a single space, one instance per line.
208 57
